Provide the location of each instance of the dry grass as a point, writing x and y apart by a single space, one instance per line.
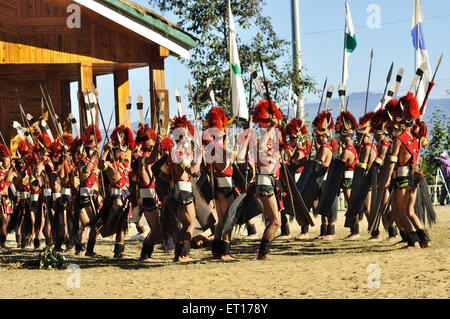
299 269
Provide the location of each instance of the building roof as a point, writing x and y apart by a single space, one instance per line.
146 23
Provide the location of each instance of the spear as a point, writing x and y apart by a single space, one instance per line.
430 86
140 108
266 84
104 127
398 81
419 74
321 97
9 154
368 81
388 79
341 92
328 98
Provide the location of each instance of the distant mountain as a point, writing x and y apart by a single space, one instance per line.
357 102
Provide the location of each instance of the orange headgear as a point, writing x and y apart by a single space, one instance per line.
323 123
346 124
364 124
123 138
264 114
88 138
182 122
410 107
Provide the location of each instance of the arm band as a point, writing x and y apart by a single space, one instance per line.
362 165
184 163
379 161
394 159
165 169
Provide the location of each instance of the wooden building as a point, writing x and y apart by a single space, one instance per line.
56 42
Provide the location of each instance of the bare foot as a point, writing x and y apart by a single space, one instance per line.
254 236
282 237
392 239
328 237
375 238
149 260
185 259
302 236
416 245
227 257
264 257
352 237
425 244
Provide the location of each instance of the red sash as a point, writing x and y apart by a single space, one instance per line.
411 144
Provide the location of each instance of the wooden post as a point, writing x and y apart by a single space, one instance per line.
121 93
158 78
85 79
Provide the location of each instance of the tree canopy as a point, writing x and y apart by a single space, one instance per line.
208 21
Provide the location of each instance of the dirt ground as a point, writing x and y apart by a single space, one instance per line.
298 270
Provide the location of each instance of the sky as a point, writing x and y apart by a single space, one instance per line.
381 25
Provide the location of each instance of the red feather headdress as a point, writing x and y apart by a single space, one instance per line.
182 122
167 143
145 133
410 107
4 151
263 114
123 138
346 123
296 127
323 123
43 143
364 123
217 118
88 137
379 121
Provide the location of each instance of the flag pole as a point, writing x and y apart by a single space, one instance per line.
345 43
416 31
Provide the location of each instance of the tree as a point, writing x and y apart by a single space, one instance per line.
440 140
208 21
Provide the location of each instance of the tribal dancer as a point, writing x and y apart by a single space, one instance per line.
367 153
89 198
268 170
220 166
38 187
345 126
323 124
7 175
114 162
379 124
149 201
298 152
403 156
179 169
246 164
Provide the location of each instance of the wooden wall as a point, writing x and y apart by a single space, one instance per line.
37 47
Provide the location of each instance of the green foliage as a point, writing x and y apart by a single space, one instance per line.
440 140
208 21
49 258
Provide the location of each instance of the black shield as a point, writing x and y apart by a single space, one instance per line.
204 216
312 186
300 210
331 188
358 195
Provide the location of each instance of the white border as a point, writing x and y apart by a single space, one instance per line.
134 26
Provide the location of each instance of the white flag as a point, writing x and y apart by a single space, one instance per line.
350 41
419 46
237 86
